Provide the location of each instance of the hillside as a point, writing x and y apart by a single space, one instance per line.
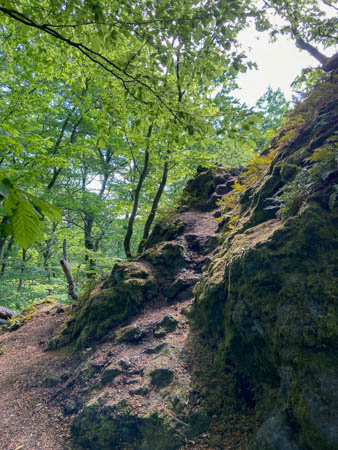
222 334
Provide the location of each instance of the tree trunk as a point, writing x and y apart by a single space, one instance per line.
154 207
143 174
6 254
3 240
312 50
64 248
47 252
70 279
89 244
23 268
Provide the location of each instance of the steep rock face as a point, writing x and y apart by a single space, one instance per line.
269 299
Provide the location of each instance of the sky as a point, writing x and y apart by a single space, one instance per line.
278 65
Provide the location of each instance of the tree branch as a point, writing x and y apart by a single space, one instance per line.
70 279
94 56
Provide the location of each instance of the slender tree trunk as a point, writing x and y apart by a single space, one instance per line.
23 268
3 240
47 253
143 174
6 254
64 248
154 207
2 248
89 244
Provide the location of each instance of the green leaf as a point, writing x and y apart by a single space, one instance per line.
27 228
4 189
46 209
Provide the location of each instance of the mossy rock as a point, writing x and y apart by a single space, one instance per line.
269 300
166 258
165 230
119 298
120 426
200 190
161 377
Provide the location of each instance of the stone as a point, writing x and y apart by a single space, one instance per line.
132 335
223 189
143 391
275 434
157 349
120 425
267 303
110 372
120 297
52 381
167 325
161 377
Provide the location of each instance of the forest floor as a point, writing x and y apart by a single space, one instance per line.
29 416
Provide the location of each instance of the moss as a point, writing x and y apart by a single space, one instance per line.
167 257
161 377
168 229
309 433
118 426
268 299
120 297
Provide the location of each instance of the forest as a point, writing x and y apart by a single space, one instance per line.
119 120
107 110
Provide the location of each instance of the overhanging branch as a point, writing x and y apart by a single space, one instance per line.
108 65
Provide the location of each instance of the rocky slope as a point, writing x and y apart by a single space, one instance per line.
139 389
268 302
222 334
264 317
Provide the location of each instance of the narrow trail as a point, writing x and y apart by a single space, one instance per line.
28 418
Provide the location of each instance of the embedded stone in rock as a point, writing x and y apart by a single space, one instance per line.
194 241
70 407
111 372
161 377
168 230
217 214
184 282
166 257
157 349
201 244
132 335
143 391
275 433
168 325
223 189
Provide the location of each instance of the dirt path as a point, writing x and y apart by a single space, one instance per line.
29 419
